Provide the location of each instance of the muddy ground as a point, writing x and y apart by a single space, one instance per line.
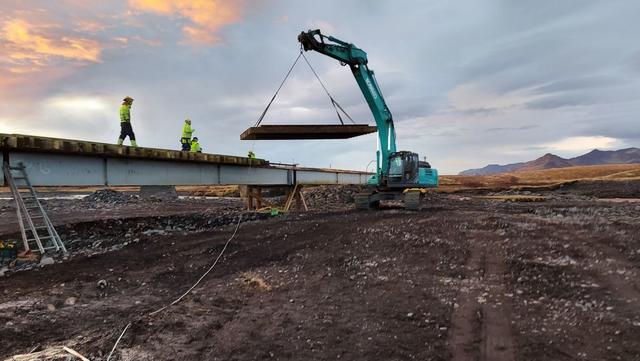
463 278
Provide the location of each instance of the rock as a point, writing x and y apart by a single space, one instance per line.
70 301
110 197
51 307
45 261
102 284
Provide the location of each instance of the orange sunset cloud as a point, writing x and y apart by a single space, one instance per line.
207 16
29 48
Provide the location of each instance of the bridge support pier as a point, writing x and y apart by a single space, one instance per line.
295 194
253 197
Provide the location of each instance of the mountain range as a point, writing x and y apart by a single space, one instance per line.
547 161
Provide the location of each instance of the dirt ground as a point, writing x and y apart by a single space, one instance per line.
463 278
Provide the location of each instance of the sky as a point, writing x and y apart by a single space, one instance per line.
468 82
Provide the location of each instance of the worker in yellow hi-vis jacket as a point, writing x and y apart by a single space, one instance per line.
125 122
195 146
187 131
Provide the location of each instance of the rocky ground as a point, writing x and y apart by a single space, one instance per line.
463 278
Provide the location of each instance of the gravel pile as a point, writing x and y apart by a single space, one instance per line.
331 197
110 196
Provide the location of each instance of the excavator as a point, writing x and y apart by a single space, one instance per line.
400 175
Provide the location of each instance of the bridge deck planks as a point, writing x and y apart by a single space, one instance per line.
30 143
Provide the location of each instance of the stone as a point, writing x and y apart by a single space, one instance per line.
45 261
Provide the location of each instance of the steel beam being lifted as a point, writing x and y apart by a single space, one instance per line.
64 162
319 131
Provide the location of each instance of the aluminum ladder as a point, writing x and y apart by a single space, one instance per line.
36 228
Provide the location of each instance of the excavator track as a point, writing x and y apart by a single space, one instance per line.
363 201
412 200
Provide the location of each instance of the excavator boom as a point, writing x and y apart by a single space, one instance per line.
356 59
399 175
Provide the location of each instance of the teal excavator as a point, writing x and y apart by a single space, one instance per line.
400 175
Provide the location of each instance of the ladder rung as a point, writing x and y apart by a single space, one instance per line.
40 238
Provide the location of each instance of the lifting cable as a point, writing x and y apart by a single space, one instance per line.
334 103
280 87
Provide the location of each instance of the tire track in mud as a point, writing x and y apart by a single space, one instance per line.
463 334
497 338
481 324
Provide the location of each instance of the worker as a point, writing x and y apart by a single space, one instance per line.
195 146
251 155
125 122
187 131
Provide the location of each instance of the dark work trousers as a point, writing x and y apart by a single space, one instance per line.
126 130
186 144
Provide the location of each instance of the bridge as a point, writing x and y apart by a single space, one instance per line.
67 162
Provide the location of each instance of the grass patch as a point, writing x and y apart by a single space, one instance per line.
255 281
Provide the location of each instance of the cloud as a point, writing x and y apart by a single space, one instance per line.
30 48
88 26
500 82
324 26
500 129
475 97
207 17
580 144
36 52
77 104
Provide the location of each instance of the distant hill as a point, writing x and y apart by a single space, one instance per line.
549 161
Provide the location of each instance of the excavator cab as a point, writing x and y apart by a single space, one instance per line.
403 169
406 170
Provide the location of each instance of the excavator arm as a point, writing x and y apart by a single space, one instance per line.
349 54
